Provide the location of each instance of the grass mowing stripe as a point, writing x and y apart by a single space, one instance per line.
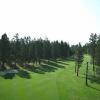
63 84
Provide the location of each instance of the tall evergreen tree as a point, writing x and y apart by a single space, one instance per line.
93 41
79 57
4 49
97 56
15 48
46 49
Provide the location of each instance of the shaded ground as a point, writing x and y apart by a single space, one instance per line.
22 72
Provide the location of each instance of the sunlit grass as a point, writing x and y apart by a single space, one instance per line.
60 84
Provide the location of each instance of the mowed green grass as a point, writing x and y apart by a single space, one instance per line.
62 84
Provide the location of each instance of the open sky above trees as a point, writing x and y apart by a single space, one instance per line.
67 20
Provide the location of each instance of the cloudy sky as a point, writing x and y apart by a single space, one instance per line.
67 20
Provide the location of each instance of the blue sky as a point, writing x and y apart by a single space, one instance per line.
68 20
94 7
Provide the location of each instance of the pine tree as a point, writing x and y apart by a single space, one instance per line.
15 49
93 40
97 55
5 50
78 57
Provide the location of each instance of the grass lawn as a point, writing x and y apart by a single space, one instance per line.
58 83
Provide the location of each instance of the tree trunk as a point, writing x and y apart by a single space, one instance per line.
78 70
39 61
87 74
75 68
15 63
3 65
36 61
93 65
0 65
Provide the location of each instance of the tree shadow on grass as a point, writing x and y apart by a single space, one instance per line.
9 76
55 64
61 62
95 79
93 88
23 74
33 68
70 59
47 68
2 68
92 78
40 69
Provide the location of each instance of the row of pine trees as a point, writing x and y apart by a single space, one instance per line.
25 50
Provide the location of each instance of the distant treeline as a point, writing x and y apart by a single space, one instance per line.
25 50
93 48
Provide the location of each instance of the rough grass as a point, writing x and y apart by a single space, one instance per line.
60 83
